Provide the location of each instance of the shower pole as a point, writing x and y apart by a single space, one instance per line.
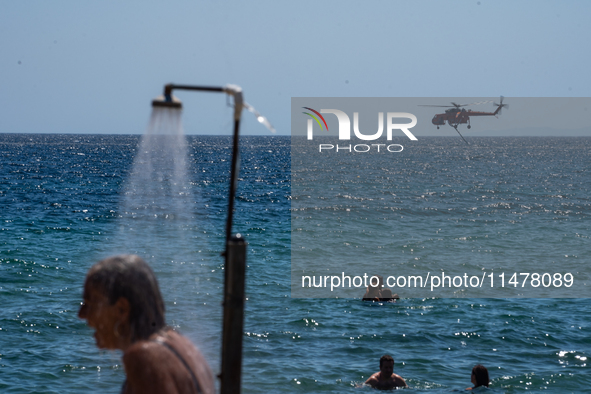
235 253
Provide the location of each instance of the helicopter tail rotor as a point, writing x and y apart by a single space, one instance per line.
500 106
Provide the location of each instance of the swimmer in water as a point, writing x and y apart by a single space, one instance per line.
372 294
122 302
479 377
379 293
386 379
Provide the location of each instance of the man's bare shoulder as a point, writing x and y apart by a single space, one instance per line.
385 384
170 360
373 379
143 351
145 365
398 380
148 358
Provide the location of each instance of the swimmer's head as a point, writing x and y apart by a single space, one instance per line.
131 278
386 357
386 365
480 376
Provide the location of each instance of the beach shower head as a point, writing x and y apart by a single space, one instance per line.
163 101
167 100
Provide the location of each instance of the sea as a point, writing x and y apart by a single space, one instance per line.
67 201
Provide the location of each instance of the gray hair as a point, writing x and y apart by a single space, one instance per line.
131 277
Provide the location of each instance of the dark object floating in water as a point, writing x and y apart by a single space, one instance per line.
383 299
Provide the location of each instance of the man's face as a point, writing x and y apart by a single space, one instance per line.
387 368
100 315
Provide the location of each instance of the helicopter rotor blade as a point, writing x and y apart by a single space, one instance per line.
482 102
501 105
454 105
459 105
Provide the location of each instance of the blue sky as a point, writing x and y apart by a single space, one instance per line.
93 67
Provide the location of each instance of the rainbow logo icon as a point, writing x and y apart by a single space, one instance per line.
315 118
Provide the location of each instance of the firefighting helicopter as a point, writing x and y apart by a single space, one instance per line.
457 115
